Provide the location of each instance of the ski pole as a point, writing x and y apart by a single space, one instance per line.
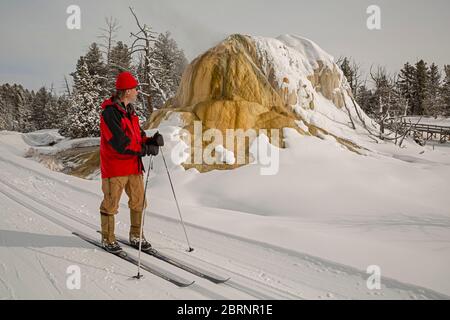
176 201
150 166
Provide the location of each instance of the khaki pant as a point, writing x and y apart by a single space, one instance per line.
112 191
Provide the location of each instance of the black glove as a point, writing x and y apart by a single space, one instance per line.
156 140
152 150
148 149
144 150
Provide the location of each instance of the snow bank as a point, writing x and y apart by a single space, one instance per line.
46 137
224 155
64 145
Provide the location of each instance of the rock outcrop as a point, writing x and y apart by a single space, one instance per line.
258 83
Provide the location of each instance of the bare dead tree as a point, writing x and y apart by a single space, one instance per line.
66 83
348 111
357 76
339 60
109 36
383 88
142 42
371 134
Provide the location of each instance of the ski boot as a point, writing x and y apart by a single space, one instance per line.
145 246
112 247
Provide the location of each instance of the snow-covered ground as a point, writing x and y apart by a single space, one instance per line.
50 142
308 232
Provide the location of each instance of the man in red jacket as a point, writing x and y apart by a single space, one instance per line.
122 145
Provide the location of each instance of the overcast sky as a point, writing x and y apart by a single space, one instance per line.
37 48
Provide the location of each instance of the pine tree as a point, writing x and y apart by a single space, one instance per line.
445 91
7 116
433 101
348 72
420 88
352 72
24 115
15 108
405 84
97 69
168 63
181 63
40 109
141 105
83 114
119 60
366 100
94 60
63 107
46 113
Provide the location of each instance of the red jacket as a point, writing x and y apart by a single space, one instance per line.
120 140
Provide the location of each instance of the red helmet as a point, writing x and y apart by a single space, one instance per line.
125 80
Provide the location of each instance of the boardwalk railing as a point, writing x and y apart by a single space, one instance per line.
427 131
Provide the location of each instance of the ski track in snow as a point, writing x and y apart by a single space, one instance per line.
10 292
202 289
95 227
212 295
311 278
49 275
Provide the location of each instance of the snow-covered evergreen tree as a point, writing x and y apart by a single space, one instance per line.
167 63
366 99
405 84
420 88
63 107
42 104
433 102
120 58
83 114
348 73
445 91
98 69
352 72
15 108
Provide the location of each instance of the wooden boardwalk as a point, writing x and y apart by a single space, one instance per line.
428 131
